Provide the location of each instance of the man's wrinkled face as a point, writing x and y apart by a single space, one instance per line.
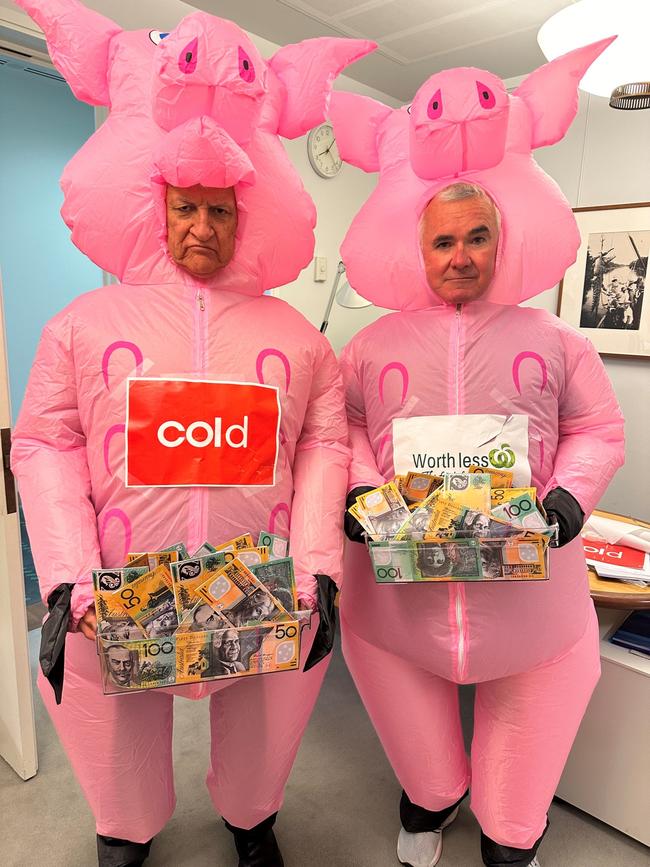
459 244
230 648
201 227
120 665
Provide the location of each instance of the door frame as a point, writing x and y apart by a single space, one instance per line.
17 728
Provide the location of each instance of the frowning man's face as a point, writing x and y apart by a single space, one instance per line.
201 227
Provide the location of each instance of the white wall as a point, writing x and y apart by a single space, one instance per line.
605 160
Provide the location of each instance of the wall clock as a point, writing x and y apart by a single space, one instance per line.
323 152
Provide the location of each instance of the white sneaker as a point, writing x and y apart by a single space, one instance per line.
535 862
424 849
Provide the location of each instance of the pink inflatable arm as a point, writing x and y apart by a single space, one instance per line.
307 70
78 41
591 445
356 121
320 475
551 92
48 458
363 469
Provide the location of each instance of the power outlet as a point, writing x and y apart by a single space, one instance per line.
320 269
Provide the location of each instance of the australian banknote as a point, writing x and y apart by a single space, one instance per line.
113 620
498 478
278 546
230 652
471 490
383 510
235 593
278 577
243 541
149 600
189 574
521 511
459 560
141 664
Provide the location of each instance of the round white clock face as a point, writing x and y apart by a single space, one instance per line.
323 152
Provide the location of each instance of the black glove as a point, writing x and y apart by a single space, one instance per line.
353 529
53 635
562 507
324 638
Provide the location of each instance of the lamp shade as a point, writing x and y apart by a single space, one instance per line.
347 297
627 60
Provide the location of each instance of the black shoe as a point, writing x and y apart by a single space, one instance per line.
257 847
113 852
495 855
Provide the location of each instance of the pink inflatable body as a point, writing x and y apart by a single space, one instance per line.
197 107
532 649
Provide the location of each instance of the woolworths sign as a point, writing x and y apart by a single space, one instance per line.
456 442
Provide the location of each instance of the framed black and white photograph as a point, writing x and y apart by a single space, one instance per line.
602 294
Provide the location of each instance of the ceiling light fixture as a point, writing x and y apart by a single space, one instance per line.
622 72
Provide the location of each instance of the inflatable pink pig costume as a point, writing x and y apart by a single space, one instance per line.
531 649
200 106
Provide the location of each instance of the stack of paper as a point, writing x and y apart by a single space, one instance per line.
618 561
618 547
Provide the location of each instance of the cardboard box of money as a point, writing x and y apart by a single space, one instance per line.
446 560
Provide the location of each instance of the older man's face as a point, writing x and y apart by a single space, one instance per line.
229 648
120 665
459 244
201 226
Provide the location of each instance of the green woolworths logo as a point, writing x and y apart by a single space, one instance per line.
503 458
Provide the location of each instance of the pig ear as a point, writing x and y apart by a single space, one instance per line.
77 40
307 70
551 92
356 120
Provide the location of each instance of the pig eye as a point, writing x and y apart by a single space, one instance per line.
246 68
485 96
188 58
157 36
434 109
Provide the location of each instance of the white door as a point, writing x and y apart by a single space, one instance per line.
17 732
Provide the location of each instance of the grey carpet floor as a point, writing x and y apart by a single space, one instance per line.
340 808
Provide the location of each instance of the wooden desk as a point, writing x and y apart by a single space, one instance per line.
607 593
616 594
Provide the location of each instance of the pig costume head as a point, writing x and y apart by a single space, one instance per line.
462 126
198 105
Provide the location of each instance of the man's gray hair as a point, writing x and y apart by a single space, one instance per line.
464 190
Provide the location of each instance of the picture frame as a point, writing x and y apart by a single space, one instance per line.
602 294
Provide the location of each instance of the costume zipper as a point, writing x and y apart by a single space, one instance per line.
457 590
198 509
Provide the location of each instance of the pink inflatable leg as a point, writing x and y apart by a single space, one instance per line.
120 747
524 727
257 725
416 716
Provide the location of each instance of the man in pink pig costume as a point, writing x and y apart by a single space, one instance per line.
462 226
186 194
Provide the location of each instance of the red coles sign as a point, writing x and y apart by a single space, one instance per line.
182 432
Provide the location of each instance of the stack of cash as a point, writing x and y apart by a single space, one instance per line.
471 526
168 618
516 559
